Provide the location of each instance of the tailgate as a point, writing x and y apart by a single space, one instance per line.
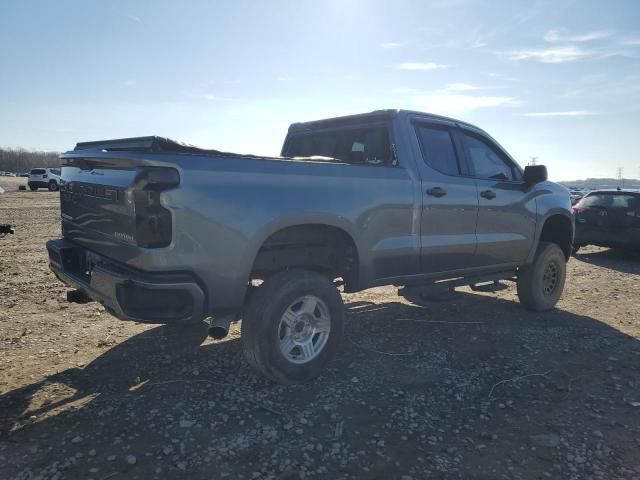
98 201
115 202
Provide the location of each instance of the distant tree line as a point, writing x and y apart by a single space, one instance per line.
19 160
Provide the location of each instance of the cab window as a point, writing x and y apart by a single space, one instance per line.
486 161
437 149
360 145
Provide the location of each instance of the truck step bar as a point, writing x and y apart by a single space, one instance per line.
478 283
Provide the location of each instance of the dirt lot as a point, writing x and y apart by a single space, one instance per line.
473 388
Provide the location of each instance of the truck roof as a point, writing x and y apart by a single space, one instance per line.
374 115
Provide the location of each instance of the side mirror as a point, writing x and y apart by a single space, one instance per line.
535 174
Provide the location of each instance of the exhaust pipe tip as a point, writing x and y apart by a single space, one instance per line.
219 327
78 296
217 332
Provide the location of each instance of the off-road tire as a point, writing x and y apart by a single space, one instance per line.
33 188
533 284
261 323
53 186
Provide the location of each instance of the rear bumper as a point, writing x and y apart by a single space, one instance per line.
39 184
130 294
628 237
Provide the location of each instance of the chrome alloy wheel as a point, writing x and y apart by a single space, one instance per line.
304 329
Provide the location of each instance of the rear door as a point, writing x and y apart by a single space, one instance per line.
449 200
506 205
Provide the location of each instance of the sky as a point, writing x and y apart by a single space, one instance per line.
557 80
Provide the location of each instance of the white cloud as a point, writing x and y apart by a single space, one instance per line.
129 83
420 66
570 113
462 87
631 42
456 104
478 44
559 35
560 54
391 45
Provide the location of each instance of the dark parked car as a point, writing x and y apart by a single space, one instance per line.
608 218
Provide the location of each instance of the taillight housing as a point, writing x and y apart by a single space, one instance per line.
578 208
153 221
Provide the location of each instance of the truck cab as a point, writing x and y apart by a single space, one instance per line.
471 206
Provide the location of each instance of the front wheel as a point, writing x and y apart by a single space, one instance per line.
33 188
292 325
541 283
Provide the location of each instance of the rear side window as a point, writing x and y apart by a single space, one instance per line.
38 171
611 200
364 145
55 171
486 161
437 149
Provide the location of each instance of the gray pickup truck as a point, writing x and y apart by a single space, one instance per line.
163 232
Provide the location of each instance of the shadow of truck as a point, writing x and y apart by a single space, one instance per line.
461 385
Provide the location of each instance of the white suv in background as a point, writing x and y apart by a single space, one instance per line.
44 178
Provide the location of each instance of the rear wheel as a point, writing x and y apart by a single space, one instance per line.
33 188
292 325
540 284
53 186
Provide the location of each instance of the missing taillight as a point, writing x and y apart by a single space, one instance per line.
156 178
153 221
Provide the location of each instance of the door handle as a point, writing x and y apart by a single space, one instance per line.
488 194
436 192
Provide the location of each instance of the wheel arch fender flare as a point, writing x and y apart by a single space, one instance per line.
306 219
555 213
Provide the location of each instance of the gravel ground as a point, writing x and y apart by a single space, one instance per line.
473 387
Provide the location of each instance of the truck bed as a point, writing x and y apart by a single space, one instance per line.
157 144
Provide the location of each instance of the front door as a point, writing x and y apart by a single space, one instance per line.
507 207
449 202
